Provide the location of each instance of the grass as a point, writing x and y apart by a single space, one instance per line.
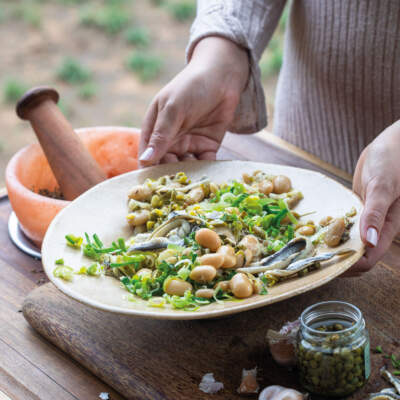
182 10
138 36
110 19
69 2
13 89
72 72
145 65
157 3
87 91
29 13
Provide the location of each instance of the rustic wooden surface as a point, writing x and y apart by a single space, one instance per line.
149 359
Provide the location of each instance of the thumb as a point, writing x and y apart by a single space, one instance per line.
378 199
165 129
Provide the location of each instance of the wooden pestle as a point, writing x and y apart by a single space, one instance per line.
73 166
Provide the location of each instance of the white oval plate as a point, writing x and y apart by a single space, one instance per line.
103 209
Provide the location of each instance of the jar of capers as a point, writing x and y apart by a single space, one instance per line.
333 351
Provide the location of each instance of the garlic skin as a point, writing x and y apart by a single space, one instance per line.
249 384
209 385
282 344
276 392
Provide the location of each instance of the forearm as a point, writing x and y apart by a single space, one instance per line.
249 24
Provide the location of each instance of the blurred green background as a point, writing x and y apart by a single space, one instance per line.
107 58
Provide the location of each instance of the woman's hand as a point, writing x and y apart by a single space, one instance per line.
189 117
377 182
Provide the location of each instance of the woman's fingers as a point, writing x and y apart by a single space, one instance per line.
378 199
188 157
169 158
147 127
165 129
208 155
390 228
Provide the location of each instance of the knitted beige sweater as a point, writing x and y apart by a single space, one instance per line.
339 85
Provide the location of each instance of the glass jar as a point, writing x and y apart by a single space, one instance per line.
333 350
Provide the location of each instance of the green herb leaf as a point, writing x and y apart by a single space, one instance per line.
378 349
60 261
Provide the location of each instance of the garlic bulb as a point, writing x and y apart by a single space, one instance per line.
281 393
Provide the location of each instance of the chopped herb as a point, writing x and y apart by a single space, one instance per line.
60 261
74 241
158 302
121 243
98 242
63 272
187 302
239 199
94 270
81 271
396 372
378 349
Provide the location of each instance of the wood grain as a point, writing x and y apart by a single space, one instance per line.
73 166
165 358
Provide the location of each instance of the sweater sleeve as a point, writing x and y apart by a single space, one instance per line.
250 24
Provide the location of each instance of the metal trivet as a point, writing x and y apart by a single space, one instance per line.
19 238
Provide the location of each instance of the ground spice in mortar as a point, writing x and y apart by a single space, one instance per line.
53 194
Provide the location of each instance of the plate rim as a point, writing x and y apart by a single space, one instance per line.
179 314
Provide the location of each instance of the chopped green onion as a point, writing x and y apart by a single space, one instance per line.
60 261
290 232
81 271
279 217
63 272
185 302
74 241
175 247
106 250
94 270
158 302
98 242
121 243
123 264
184 273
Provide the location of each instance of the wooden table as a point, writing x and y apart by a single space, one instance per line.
33 368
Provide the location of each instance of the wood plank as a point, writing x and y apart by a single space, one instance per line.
25 264
42 355
28 379
166 359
